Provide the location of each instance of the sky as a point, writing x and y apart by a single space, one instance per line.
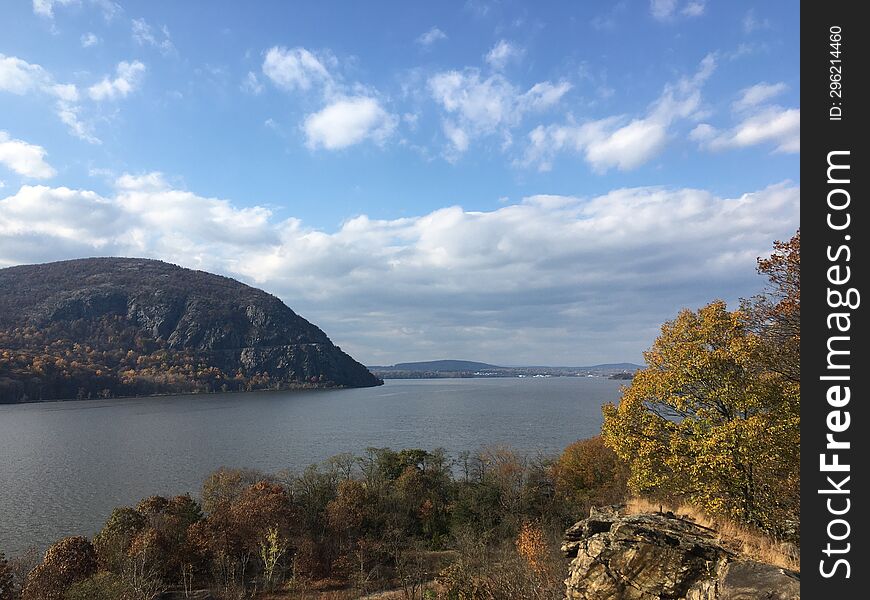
516 183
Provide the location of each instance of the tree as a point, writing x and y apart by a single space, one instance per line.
272 548
589 474
65 563
775 314
226 485
113 540
704 423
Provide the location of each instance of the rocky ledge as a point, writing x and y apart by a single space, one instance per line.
655 556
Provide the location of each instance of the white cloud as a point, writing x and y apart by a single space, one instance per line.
69 114
503 53
143 34
618 141
662 9
477 107
543 95
251 84
20 77
128 77
757 94
23 158
348 121
350 114
666 10
695 8
295 69
431 36
780 127
89 39
759 123
45 8
523 283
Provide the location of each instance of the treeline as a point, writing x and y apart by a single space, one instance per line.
483 526
112 359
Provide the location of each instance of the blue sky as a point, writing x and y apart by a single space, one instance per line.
497 181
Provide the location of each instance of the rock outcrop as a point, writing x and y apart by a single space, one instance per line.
656 556
77 320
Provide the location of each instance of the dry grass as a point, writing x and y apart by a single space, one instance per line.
749 542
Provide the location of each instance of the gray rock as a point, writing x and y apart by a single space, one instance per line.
662 556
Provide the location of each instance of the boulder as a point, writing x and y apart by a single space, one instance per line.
661 556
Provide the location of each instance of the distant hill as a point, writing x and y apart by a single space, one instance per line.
124 326
440 365
624 366
468 368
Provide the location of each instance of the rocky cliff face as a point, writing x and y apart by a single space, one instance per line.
148 307
660 556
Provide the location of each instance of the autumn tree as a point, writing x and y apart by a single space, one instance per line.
113 540
775 314
588 473
65 563
225 485
704 423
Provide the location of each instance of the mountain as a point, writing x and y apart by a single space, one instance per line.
126 326
466 368
440 365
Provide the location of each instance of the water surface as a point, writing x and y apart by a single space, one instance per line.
65 465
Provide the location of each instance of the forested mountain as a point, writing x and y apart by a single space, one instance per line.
125 326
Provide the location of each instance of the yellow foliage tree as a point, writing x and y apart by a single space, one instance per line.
705 422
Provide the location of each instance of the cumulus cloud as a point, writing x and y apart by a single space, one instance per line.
619 141
128 76
144 35
665 10
20 77
553 279
295 69
503 53
475 106
431 36
351 114
348 121
23 158
759 122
